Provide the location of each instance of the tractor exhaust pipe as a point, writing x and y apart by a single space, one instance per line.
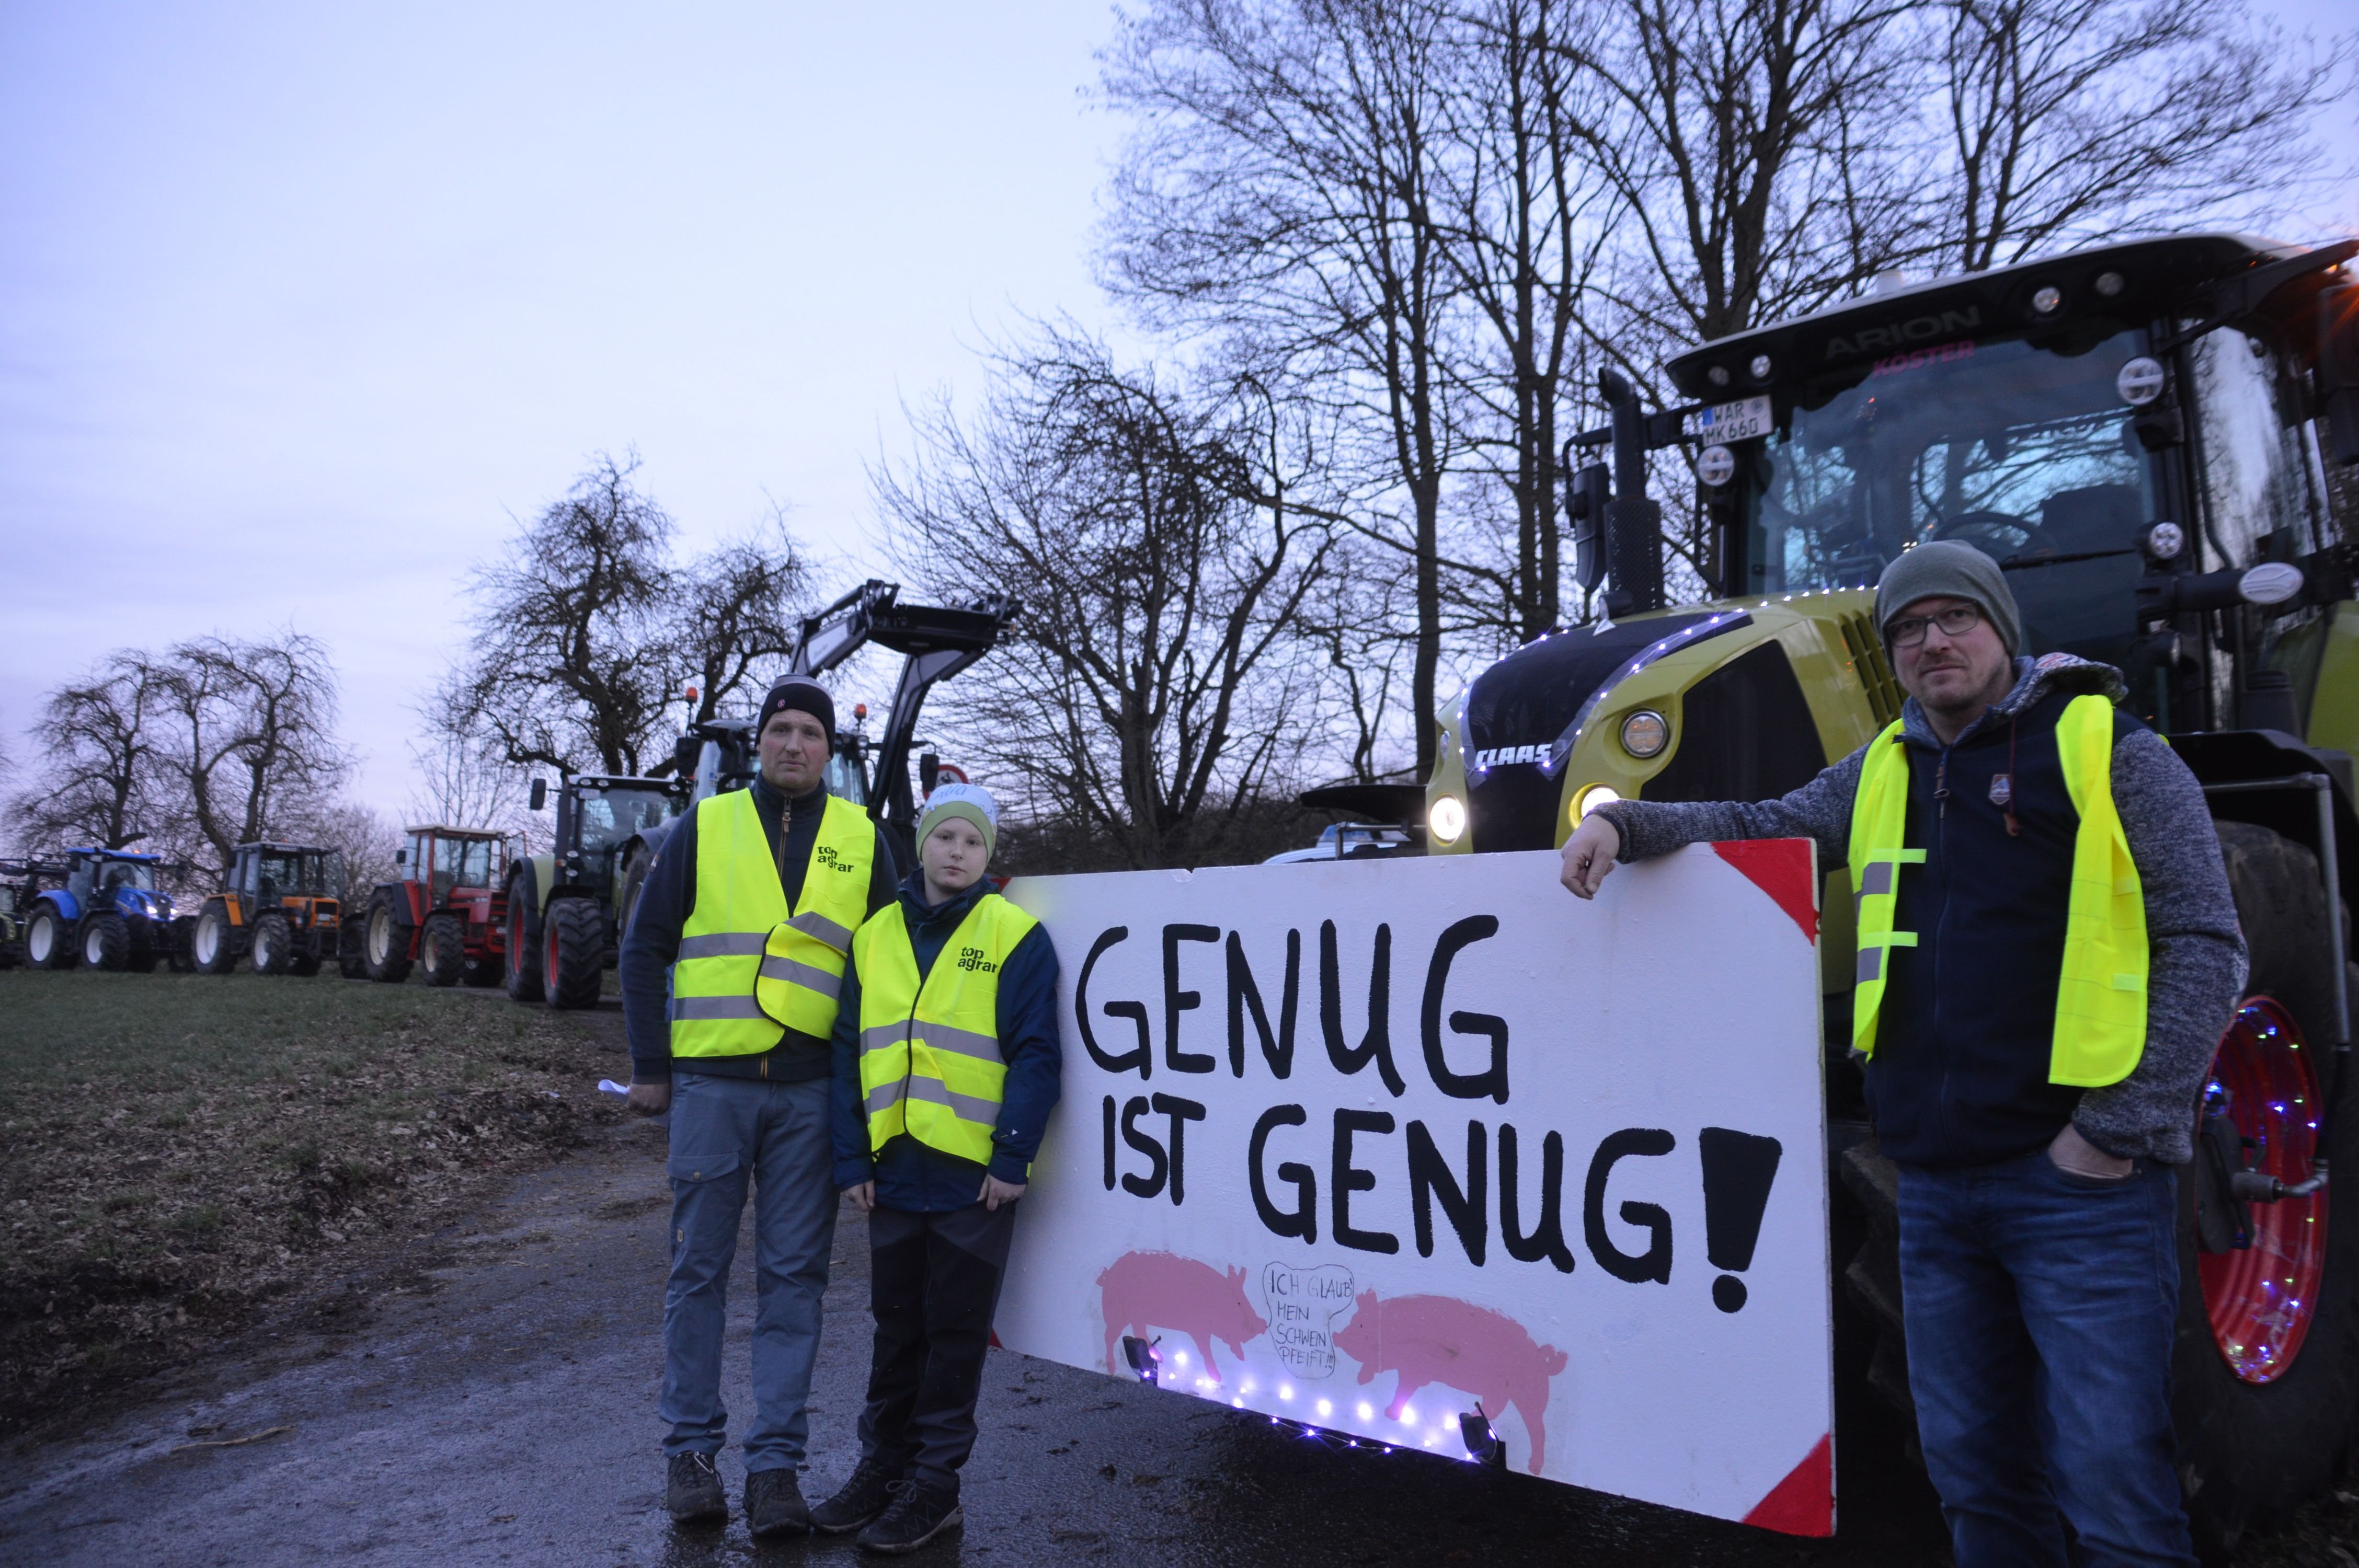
1634 524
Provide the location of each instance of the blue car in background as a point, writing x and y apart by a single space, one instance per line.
106 913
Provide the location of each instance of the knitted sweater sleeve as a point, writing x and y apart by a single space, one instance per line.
2196 972
1819 810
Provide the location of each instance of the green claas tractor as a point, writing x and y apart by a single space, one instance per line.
2146 437
279 906
565 910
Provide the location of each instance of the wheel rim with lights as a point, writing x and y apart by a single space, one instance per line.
2260 1299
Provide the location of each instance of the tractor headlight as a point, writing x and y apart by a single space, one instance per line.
1644 735
1590 799
1447 818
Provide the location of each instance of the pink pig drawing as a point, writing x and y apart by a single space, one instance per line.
1143 1291
1437 1339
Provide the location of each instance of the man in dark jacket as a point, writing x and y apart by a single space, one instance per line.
750 886
2034 1092
947 1065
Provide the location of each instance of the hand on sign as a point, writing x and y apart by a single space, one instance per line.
649 1099
996 1191
863 1196
1589 855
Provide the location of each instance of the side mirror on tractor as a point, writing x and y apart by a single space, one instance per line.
539 795
402 857
1585 507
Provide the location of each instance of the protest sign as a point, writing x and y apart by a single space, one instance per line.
1361 1145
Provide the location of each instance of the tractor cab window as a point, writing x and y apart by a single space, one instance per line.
2027 453
464 862
847 776
82 878
2256 473
285 875
116 874
613 816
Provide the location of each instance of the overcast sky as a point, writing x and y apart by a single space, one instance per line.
300 305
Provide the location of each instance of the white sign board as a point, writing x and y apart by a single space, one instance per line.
1738 421
1364 1145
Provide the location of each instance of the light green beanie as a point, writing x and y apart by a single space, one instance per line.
971 802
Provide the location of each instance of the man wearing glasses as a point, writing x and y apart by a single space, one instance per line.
2047 953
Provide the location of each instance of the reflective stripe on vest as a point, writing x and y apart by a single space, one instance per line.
929 1061
2100 1030
749 968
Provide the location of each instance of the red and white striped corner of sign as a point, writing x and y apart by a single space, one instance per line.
1785 869
1804 1502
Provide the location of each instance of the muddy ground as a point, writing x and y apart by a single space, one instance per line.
495 1403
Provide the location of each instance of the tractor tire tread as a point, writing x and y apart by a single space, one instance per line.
576 941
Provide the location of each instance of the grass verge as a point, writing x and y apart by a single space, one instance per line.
182 1151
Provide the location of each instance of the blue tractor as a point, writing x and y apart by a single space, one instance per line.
105 912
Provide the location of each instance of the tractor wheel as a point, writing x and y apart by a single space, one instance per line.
385 944
215 943
573 944
442 949
105 941
49 944
521 964
2265 1378
274 944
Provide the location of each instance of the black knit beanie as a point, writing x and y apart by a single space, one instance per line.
802 694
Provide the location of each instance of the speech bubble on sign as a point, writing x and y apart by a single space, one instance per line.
1302 1306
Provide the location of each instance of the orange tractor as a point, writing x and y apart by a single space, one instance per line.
279 905
448 915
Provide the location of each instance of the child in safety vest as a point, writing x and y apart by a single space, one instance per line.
947 1065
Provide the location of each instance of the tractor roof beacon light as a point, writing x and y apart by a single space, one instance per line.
1482 1445
1146 1361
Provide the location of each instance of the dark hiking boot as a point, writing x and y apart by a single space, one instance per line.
857 1501
692 1490
919 1514
773 1504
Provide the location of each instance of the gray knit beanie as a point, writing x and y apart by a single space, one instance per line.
1947 568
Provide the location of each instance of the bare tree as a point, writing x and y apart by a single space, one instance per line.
98 740
1152 696
738 606
1281 190
569 665
466 781
253 741
2080 120
362 836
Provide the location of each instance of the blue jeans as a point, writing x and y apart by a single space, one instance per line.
2039 1308
725 1131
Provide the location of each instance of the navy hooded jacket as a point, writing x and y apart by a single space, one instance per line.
910 1176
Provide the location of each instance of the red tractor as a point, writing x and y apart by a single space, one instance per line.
449 915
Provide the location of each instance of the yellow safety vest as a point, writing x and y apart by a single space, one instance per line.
749 968
929 1061
2102 992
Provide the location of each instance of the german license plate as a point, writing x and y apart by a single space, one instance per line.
1738 421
